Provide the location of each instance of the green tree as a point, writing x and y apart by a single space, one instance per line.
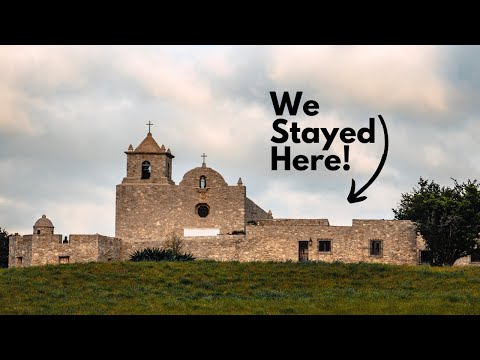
447 217
3 248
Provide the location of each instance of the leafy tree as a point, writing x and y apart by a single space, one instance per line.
3 248
447 217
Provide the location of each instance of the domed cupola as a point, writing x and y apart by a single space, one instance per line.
43 226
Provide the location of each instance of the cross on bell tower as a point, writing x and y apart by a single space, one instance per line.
203 163
149 124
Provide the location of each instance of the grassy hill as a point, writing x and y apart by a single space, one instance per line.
202 287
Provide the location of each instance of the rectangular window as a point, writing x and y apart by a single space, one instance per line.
64 259
324 246
375 248
475 257
19 261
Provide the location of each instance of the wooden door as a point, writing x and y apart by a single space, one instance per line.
303 251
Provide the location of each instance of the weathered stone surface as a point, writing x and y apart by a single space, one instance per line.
348 243
47 249
151 211
280 243
220 248
253 212
293 222
148 210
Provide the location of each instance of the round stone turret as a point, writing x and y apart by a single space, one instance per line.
43 226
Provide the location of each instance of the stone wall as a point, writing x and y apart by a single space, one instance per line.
253 212
37 250
109 249
49 249
220 248
280 243
149 212
20 246
465 261
293 222
348 243
129 247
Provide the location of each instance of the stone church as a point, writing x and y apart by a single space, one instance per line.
216 220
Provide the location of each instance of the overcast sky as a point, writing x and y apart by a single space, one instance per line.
68 113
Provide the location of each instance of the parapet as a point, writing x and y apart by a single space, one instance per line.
294 222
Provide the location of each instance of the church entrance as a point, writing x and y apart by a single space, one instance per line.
303 251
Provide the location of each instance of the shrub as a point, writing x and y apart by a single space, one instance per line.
3 248
156 254
174 243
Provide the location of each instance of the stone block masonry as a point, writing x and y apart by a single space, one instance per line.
219 248
279 241
150 207
151 211
36 250
253 212
347 243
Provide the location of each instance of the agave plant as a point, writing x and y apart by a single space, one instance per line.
156 254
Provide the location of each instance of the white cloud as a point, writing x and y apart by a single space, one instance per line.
164 76
84 215
13 119
295 203
379 76
67 113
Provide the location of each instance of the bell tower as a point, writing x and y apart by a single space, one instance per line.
149 163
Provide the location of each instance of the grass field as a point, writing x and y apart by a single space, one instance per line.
202 287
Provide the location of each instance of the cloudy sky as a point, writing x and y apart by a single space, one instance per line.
67 114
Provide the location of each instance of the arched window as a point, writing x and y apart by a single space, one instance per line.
203 182
146 170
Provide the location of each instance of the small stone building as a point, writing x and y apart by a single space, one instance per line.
216 221
44 247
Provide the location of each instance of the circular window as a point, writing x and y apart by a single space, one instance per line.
203 210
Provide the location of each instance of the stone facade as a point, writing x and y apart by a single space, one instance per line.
146 212
269 241
150 207
52 249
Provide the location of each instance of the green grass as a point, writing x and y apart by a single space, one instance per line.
202 287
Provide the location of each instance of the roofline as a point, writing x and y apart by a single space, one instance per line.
149 153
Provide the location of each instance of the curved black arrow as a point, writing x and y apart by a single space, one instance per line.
353 196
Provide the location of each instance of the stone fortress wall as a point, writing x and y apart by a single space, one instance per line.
217 222
271 242
50 249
